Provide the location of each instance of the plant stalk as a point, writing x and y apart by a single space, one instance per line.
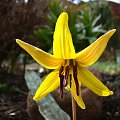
73 108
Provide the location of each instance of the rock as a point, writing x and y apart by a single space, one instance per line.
92 101
32 109
93 106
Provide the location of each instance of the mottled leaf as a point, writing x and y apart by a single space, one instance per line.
48 107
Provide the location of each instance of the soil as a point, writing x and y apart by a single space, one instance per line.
13 97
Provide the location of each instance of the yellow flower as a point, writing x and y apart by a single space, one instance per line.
70 71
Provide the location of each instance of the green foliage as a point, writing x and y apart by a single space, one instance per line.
87 28
102 7
55 8
82 23
19 91
89 21
45 33
117 82
108 20
107 67
44 36
3 87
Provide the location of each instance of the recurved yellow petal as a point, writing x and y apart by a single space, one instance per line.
90 55
45 59
62 44
50 83
93 83
78 99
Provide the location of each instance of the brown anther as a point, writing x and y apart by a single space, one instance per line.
76 79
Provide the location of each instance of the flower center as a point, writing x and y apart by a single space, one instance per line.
67 73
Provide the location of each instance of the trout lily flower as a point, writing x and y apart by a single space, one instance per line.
70 67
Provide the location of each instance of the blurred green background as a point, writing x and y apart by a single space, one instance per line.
35 24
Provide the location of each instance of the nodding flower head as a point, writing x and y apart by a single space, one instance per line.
70 67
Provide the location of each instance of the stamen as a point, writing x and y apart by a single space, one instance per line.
61 81
65 82
76 79
61 86
61 70
70 80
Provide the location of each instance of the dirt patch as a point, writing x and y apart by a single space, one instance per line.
13 97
